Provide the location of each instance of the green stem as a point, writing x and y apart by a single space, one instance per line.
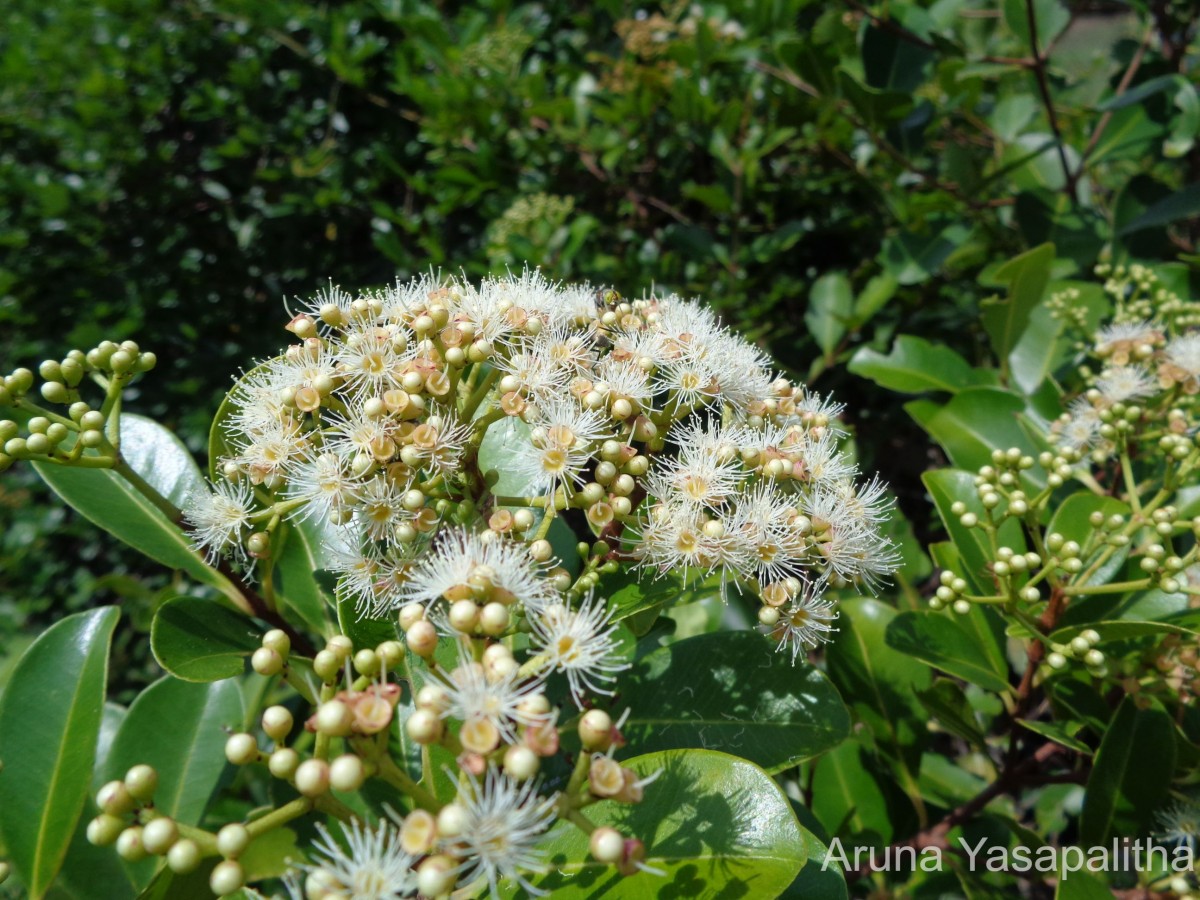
468 409
143 487
1115 587
400 780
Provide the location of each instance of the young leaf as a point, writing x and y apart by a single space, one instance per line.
49 721
732 692
830 304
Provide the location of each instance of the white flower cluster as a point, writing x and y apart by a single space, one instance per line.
668 434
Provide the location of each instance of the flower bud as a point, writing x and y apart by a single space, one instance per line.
283 763
129 844
605 777
521 763
312 777
184 856
422 638
104 829
424 727
114 798
607 845
334 718
347 773
266 662
241 749
418 832
142 782
436 875
595 730
232 840
277 722
226 878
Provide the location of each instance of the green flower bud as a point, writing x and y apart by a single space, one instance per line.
142 782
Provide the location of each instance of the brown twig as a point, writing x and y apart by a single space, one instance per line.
1134 64
1039 73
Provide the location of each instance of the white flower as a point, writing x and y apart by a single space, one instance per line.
1179 823
1184 353
771 541
617 379
705 472
560 445
271 450
461 566
437 443
1121 383
217 517
805 623
1119 338
852 550
372 358
489 705
322 483
580 643
503 822
1082 427
380 509
372 866
681 536
330 301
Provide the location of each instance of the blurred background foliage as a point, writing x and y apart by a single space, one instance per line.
173 171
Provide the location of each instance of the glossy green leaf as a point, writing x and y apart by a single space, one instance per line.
1183 204
50 716
109 501
1082 885
913 366
86 865
893 62
1026 277
947 486
732 691
938 640
715 825
188 753
878 683
913 257
873 297
946 703
299 556
822 877
1058 733
631 593
365 630
199 640
849 798
1140 92
1131 775
1031 359
976 421
830 305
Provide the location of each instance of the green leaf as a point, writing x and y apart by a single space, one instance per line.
893 63
364 630
106 499
199 640
873 297
830 305
913 257
1026 276
947 704
1035 351
631 593
1082 885
914 366
716 825
1058 733
298 558
49 722
732 692
939 641
1183 204
849 798
1071 521
819 879
1051 18
1131 776
976 421
947 486
180 729
1137 94
879 683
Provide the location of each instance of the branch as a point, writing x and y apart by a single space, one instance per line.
1039 72
1126 79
